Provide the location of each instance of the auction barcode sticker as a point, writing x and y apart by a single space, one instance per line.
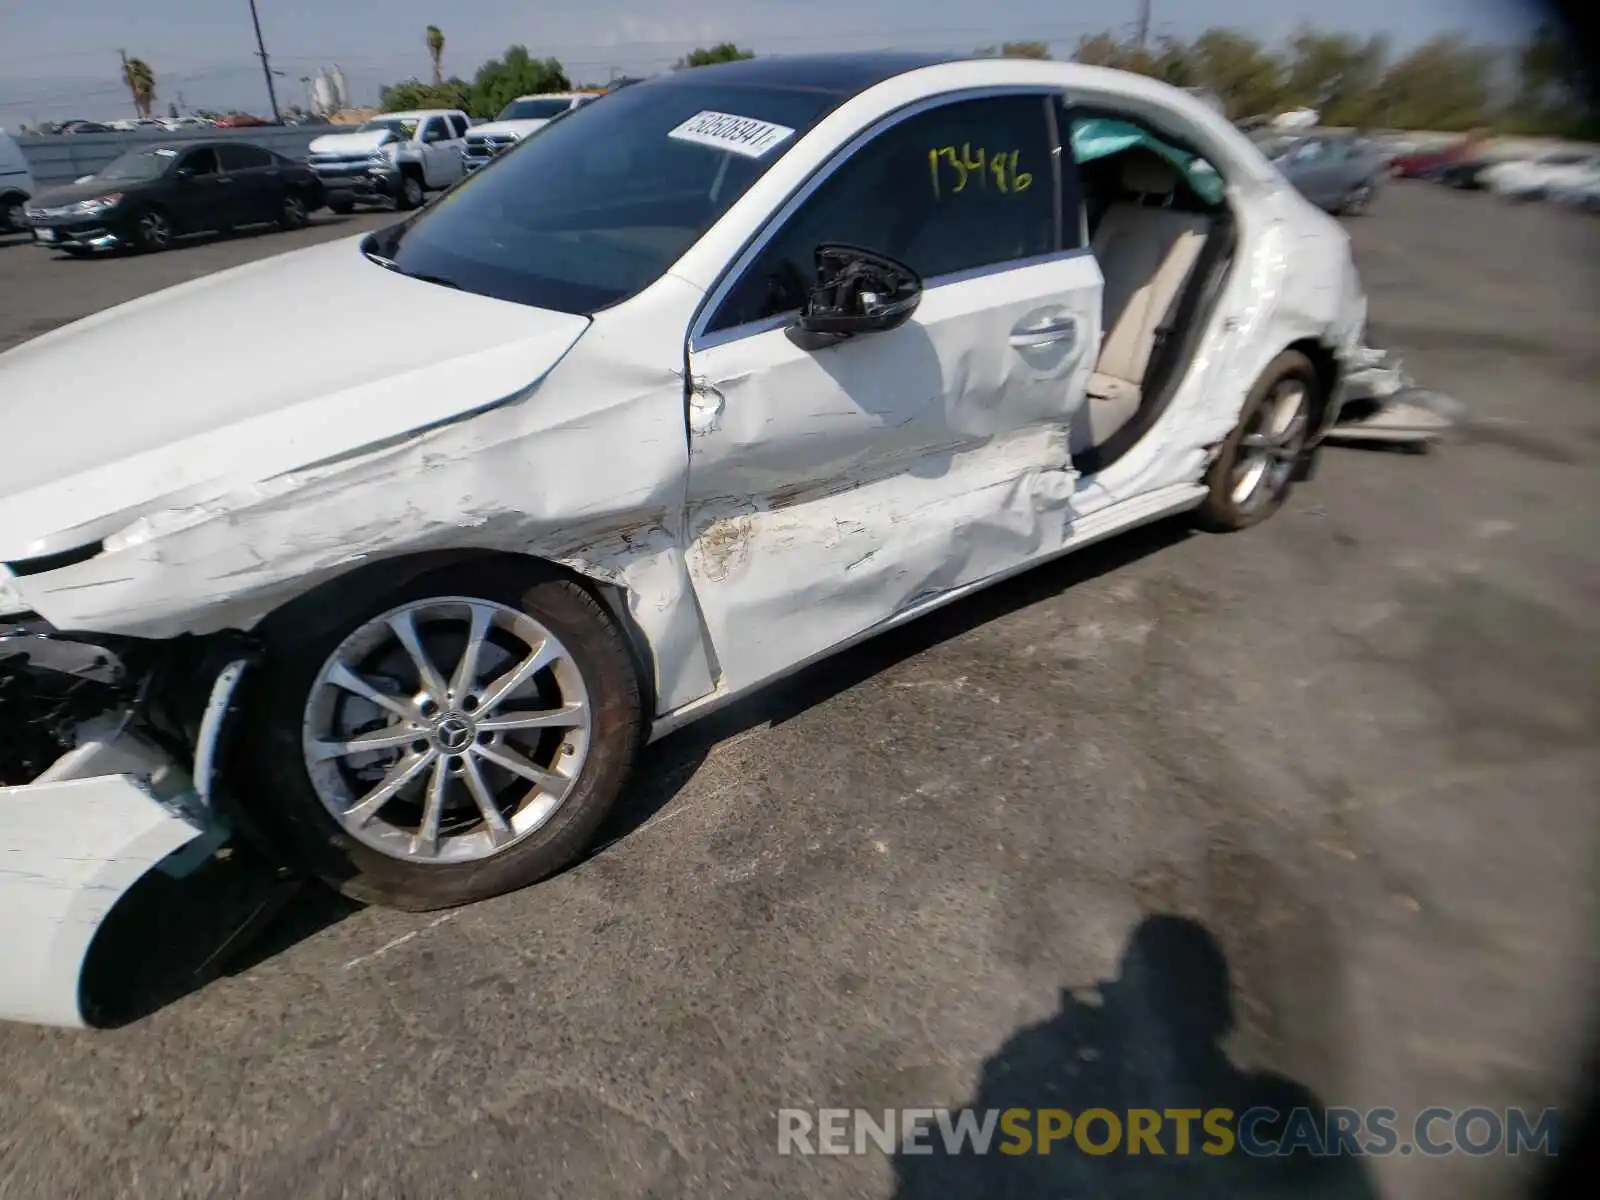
735 134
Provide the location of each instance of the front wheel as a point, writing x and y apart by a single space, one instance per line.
1256 466
292 215
12 218
1358 201
411 193
463 737
153 231
342 207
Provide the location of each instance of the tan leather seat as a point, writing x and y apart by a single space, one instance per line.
1146 253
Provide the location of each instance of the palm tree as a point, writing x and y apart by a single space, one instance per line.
436 52
141 81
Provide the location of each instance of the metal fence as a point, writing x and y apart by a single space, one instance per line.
66 157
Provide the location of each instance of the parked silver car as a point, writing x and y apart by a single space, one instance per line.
1336 172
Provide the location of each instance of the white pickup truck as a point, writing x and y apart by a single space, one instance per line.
516 121
394 159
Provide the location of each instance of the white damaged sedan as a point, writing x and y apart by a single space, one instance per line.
427 532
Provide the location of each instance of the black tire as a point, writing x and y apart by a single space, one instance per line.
293 214
412 192
1221 512
271 785
12 219
152 231
343 207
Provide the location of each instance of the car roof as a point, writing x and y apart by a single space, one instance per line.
418 112
553 96
835 74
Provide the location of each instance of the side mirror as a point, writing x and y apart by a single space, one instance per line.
185 173
856 291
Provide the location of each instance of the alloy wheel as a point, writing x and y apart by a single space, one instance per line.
294 212
1271 446
154 232
434 767
413 191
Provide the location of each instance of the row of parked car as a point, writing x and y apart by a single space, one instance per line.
152 195
1568 176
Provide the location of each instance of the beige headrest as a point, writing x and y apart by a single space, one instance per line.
1147 175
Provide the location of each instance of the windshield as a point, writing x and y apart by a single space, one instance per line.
533 110
142 164
605 199
405 126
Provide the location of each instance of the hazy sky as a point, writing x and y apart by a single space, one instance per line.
60 60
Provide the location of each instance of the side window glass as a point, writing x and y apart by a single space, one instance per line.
962 186
458 126
434 130
243 158
201 162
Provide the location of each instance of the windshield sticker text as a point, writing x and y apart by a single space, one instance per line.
738 135
953 169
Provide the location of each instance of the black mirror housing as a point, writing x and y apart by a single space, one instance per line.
858 291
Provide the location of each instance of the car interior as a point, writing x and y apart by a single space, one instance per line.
1163 249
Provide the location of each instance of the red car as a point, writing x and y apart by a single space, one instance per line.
1430 164
240 121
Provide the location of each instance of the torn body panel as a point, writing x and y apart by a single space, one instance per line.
71 844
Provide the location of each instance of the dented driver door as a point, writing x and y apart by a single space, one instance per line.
832 489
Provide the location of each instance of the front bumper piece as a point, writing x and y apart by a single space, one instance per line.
77 838
1381 403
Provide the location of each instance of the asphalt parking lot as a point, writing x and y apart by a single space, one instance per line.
1352 749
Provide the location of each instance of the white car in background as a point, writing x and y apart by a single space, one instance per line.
394 158
524 115
1532 179
16 185
703 384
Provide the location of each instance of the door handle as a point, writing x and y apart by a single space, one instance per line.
1046 334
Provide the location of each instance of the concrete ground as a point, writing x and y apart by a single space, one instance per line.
1303 815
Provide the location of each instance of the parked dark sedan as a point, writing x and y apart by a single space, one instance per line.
148 197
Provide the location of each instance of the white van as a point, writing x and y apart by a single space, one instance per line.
16 185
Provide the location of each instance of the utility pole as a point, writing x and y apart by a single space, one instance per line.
1142 36
266 67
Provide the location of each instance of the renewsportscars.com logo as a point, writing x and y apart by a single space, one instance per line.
1257 1132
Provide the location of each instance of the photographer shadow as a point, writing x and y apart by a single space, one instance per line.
1149 1039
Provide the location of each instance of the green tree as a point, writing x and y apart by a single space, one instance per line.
1015 50
413 93
501 80
435 37
720 53
1554 91
1247 76
141 81
1444 84
1336 74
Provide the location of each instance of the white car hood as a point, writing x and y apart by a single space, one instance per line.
521 128
237 377
351 143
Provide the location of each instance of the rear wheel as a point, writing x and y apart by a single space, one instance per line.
462 737
11 215
1256 466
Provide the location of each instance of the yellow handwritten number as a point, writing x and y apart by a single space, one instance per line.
1002 165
